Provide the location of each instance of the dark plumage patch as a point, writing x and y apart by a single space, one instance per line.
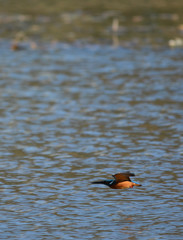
121 177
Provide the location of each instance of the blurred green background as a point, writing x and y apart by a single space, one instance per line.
142 21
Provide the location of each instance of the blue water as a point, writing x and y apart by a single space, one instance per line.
73 114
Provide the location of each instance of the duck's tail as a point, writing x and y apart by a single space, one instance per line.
136 184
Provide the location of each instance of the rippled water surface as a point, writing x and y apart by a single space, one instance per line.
73 114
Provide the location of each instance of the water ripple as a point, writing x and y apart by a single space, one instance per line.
72 115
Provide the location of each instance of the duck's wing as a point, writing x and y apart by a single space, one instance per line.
121 177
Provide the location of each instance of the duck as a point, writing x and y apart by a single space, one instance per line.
120 181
